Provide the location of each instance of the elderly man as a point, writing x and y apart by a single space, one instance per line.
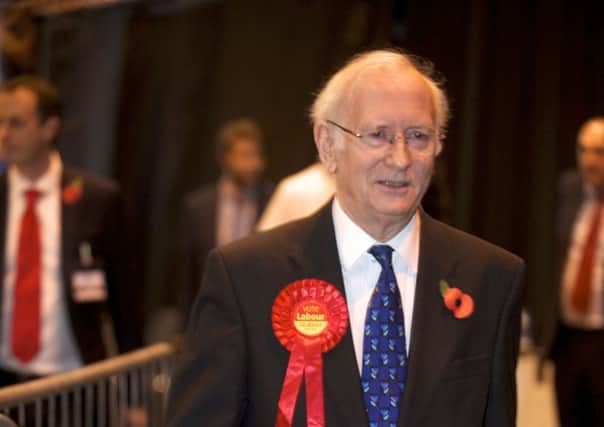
368 313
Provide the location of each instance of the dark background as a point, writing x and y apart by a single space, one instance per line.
147 83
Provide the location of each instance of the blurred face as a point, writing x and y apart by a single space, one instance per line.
380 187
26 141
244 162
590 153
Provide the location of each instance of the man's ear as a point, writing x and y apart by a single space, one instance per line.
325 146
51 128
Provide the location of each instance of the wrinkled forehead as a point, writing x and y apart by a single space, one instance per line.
373 83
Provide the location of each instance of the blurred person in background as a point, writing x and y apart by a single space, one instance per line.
228 209
573 304
66 296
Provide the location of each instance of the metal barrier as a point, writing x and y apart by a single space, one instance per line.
125 391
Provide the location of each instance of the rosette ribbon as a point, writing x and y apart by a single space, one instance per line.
309 318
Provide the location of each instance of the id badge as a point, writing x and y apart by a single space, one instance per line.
89 286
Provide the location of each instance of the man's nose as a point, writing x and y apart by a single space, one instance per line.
398 154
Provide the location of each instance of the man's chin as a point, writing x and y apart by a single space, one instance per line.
399 211
400 205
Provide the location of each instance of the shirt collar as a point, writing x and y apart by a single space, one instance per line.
48 181
228 188
353 241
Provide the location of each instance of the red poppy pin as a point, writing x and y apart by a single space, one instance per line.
73 191
462 305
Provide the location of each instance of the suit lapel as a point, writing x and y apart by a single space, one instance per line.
69 219
343 398
430 335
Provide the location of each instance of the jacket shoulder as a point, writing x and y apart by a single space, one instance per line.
200 197
466 245
570 181
96 183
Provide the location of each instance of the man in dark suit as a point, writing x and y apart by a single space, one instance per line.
228 209
65 295
431 334
570 315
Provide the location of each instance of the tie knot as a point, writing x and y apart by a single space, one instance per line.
32 196
383 255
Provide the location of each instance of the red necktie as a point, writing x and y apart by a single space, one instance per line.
25 339
582 290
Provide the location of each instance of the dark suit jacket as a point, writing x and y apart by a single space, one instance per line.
198 235
96 218
461 372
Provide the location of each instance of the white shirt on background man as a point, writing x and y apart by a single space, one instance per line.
58 350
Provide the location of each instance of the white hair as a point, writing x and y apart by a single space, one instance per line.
333 97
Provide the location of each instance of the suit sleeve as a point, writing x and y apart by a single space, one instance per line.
501 404
209 387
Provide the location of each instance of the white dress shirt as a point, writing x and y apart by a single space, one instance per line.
594 317
58 351
236 212
361 271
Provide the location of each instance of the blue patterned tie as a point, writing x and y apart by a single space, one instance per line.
384 353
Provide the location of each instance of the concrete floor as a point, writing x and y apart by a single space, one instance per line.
536 400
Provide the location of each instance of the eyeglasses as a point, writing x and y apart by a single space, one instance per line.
418 138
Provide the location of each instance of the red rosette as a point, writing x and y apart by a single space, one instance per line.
291 302
309 318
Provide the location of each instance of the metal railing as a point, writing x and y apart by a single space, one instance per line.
125 391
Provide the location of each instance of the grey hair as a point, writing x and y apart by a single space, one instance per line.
335 93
